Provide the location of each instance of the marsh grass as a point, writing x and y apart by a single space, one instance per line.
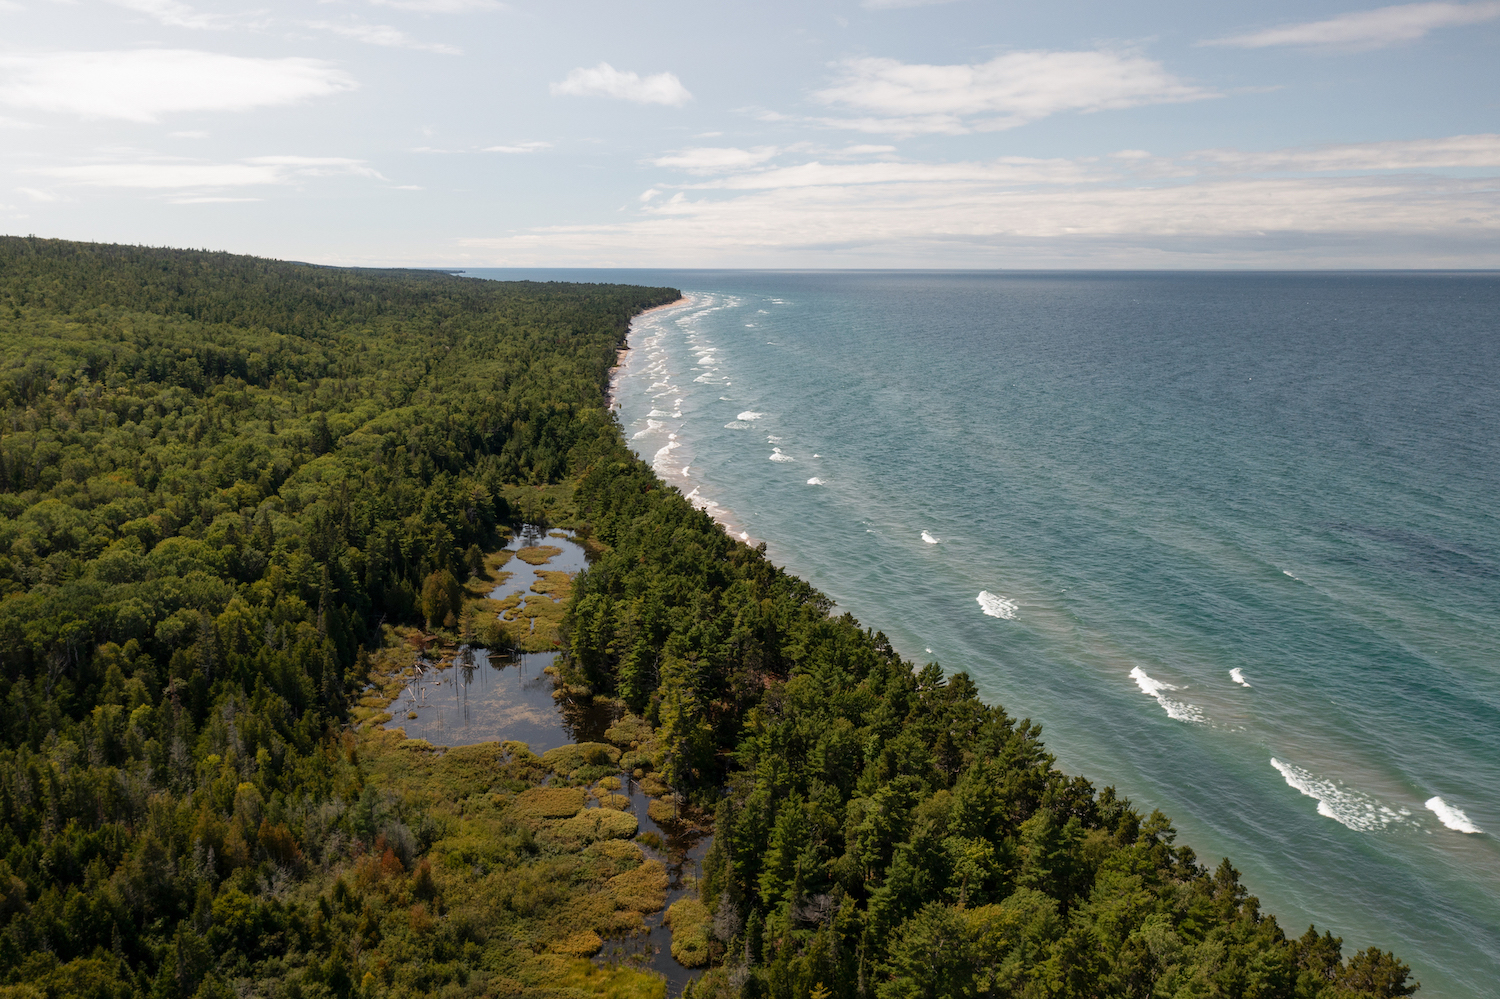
592 825
509 867
538 554
643 889
575 760
539 803
613 982
690 922
608 799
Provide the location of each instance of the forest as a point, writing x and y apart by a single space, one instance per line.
232 488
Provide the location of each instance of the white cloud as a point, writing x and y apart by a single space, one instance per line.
1368 29
179 175
604 80
710 159
144 84
384 34
1009 90
520 147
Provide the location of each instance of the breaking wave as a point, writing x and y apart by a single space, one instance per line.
996 606
1238 677
1451 817
1179 710
1346 806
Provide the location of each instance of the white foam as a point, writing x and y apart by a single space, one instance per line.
929 538
661 461
1344 805
748 415
744 536
1285 573
1238 677
776 455
770 439
1451 817
652 426
657 412
737 425
815 481
996 606
1175 709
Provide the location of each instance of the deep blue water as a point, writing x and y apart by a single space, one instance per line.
1135 484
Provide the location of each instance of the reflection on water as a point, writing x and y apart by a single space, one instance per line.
480 699
483 698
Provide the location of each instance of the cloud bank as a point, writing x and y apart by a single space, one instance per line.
1218 208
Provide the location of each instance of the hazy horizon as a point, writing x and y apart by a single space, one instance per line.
843 135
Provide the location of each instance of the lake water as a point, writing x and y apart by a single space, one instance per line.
1231 538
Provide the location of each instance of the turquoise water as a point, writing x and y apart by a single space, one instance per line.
1232 540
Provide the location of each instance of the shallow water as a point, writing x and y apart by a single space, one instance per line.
478 698
683 847
1231 538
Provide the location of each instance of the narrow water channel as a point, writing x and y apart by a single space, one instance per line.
480 698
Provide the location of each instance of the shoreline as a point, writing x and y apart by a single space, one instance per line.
609 392
716 511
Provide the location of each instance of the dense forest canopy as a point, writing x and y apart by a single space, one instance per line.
222 480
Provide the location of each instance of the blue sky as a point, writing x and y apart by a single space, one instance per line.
888 133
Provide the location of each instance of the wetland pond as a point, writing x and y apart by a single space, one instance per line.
478 698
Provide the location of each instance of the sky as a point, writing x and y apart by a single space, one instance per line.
840 134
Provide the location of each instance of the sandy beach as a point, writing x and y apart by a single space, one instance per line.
609 393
